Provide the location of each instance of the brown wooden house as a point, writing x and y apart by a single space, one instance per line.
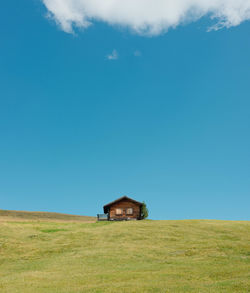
124 208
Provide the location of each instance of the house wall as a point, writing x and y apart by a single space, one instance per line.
125 204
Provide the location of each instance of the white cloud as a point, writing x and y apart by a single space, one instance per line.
113 56
150 17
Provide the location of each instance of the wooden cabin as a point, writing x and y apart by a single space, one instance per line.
124 208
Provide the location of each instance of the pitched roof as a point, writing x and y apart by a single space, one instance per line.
120 199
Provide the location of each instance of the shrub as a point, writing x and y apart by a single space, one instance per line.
144 211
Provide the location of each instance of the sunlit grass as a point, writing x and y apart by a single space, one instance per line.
138 256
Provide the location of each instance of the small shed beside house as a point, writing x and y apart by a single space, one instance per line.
123 208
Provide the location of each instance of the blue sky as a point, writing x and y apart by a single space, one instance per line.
167 121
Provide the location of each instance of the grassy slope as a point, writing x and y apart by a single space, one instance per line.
41 216
138 256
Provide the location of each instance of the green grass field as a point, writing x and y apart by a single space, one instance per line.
62 255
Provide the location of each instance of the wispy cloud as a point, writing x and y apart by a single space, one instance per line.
150 17
113 56
137 53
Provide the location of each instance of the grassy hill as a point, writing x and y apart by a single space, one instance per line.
137 256
42 216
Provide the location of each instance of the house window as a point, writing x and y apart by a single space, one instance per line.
129 211
118 211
